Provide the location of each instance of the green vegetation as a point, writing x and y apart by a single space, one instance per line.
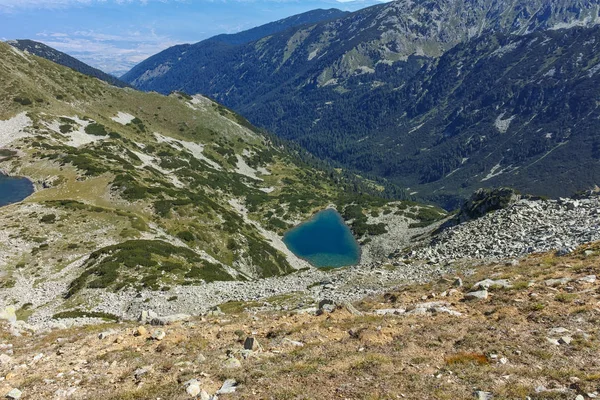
24 101
142 263
85 314
48 219
96 129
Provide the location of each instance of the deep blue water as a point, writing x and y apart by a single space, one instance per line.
324 241
13 189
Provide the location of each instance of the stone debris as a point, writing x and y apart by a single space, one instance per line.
527 226
169 319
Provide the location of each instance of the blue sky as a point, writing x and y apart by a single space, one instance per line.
114 35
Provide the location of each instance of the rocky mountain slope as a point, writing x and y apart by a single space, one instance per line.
387 90
47 52
145 193
531 332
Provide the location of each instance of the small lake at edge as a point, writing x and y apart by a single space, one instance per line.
14 189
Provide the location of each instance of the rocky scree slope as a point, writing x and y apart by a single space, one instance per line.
535 335
140 191
49 53
374 90
524 226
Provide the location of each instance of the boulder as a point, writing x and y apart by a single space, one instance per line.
481 395
192 387
14 394
587 279
252 344
478 295
351 309
147 316
229 386
488 283
140 331
158 334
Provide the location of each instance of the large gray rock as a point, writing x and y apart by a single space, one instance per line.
229 386
146 316
252 344
478 295
488 283
14 394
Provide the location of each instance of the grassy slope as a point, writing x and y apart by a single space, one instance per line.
128 184
435 356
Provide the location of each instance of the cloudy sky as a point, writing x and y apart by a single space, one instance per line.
114 35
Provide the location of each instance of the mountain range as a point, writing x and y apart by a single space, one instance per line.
440 97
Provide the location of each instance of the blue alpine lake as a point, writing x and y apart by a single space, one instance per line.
324 241
14 189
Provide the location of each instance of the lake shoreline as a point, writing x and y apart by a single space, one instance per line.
24 185
324 240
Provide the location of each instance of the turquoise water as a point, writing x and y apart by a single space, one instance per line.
324 241
13 190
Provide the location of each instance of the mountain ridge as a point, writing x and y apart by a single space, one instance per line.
162 60
332 86
42 50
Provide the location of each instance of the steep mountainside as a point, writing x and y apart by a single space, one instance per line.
142 193
47 52
356 89
222 44
309 17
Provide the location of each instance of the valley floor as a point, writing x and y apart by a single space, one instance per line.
530 330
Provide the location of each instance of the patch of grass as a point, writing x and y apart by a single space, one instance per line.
565 297
85 314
